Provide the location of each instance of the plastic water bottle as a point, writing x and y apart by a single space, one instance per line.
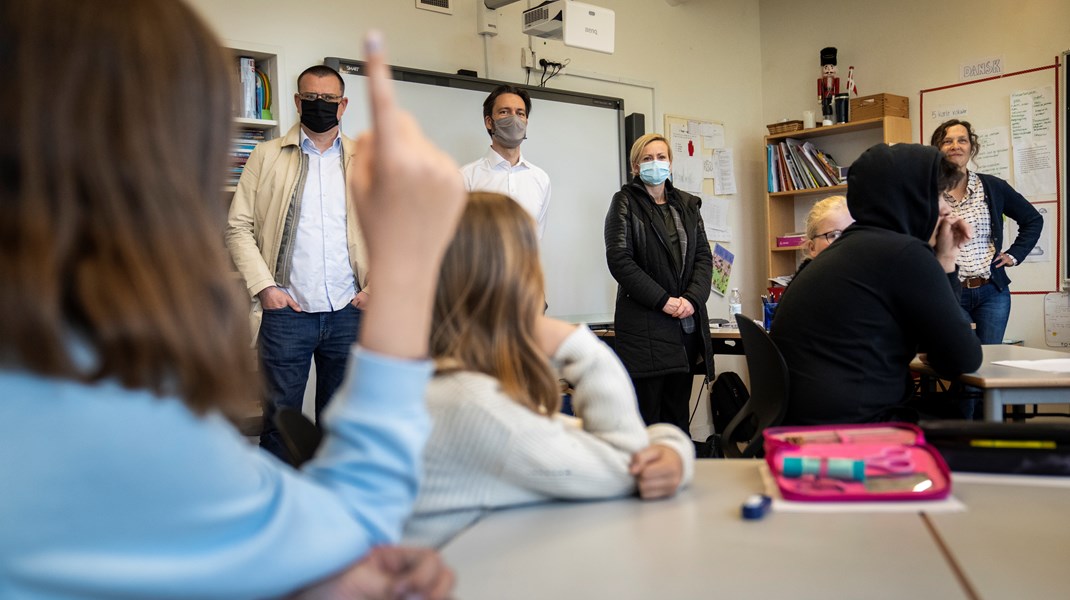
735 304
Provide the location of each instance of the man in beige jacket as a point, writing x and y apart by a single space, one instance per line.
297 244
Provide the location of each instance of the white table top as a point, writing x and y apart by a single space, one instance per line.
696 546
999 376
1013 541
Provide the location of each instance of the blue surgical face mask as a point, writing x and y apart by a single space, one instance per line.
654 172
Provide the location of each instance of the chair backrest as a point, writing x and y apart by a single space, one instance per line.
768 401
300 435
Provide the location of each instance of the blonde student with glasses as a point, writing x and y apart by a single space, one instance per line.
300 252
825 223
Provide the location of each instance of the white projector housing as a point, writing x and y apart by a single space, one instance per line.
577 24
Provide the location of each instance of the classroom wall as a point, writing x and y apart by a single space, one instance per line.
741 62
903 47
699 58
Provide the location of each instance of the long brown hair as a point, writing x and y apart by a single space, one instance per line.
113 144
489 295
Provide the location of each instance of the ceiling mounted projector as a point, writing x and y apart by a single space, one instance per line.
577 24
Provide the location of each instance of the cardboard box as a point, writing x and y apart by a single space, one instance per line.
879 105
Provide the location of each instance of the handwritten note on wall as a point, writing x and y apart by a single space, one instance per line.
1033 140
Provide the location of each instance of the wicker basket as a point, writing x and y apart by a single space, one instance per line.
784 127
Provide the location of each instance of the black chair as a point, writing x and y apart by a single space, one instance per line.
300 435
768 395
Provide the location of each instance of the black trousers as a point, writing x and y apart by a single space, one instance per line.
666 398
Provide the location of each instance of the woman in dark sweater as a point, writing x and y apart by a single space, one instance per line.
657 251
983 201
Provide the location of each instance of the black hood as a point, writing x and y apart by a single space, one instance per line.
895 188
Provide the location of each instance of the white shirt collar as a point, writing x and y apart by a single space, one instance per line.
497 160
306 142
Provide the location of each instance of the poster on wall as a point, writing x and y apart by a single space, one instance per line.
722 268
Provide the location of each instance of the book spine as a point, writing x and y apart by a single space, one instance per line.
812 164
247 80
770 173
785 170
259 97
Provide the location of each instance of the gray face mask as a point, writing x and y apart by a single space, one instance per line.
510 131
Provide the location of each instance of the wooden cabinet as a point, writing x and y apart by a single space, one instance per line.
786 211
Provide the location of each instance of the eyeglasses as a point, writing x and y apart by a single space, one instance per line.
313 96
830 236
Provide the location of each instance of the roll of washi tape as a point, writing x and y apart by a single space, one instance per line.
845 469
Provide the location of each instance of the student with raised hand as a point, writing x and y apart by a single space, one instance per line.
851 322
122 337
497 438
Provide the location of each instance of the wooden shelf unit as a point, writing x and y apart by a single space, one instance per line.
786 211
268 59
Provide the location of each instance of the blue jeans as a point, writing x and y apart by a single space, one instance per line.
989 308
289 341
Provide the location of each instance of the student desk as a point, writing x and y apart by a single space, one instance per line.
1013 541
696 546
1003 386
724 340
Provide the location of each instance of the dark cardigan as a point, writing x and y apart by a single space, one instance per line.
1002 200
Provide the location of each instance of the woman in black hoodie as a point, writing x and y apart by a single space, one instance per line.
850 324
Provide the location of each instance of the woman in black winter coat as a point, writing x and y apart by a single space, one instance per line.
657 251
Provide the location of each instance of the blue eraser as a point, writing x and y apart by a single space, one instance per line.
756 506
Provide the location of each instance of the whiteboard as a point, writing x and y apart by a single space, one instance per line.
578 139
986 104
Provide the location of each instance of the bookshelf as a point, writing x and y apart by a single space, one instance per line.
786 211
268 61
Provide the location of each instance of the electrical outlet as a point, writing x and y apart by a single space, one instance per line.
527 58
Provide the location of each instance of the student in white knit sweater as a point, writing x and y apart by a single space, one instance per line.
498 438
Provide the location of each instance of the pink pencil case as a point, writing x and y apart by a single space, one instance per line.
850 463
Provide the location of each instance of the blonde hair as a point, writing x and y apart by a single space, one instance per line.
640 144
489 296
820 210
112 199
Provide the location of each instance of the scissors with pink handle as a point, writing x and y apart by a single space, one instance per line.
896 461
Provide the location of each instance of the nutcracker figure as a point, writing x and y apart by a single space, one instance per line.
828 85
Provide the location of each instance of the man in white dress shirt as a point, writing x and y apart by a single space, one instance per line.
503 169
297 243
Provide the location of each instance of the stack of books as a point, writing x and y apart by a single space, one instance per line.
244 142
798 165
254 90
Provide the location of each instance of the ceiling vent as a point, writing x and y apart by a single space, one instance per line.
441 6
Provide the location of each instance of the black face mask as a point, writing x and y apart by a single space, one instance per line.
319 115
